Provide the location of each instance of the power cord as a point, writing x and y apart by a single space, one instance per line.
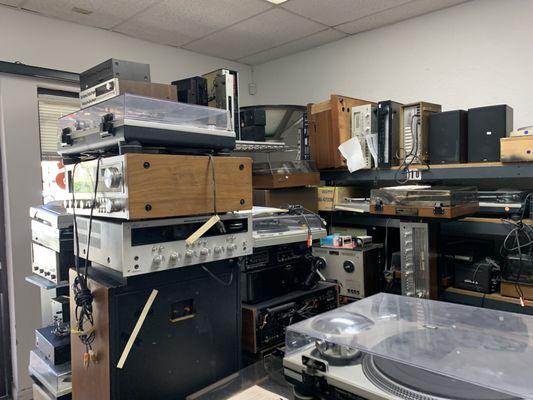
82 294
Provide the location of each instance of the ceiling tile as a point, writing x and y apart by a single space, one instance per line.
262 32
104 13
335 12
412 9
12 3
317 39
177 22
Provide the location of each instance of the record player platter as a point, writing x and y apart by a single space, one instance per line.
411 383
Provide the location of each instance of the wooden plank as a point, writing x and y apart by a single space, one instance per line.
136 329
162 185
320 107
94 381
492 296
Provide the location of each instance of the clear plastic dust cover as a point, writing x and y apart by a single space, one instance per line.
424 196
139 110
488 348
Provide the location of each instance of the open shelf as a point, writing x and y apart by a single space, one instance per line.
504 174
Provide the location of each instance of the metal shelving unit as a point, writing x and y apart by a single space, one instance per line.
471 174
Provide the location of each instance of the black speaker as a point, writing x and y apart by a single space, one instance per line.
254 133
253 117
486 126
388 117
192 90
448 135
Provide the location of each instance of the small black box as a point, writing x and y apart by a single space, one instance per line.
192 90
478 277
448 135
253 133
113 68
55 348
253 117
486 126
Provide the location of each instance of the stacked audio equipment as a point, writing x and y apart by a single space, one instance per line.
253 123
279 284
52 256
157 234
388 121
486 126
448 137
329 125
114 77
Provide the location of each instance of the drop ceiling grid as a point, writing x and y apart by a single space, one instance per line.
248 31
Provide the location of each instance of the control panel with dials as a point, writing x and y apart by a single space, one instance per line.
141 247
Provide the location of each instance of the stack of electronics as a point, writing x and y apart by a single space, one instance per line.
396 347
156 224
355 264
279 284
52 256
275 136
392 134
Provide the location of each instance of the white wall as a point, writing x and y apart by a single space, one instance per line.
473 54
46 42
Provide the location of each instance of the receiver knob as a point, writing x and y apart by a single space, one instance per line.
112 177
217 250
348 266
157 260
188 254
231 247
173 258
204 252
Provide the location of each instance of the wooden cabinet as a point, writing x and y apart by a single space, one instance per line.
329 126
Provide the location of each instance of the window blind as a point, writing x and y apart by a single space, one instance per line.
51 108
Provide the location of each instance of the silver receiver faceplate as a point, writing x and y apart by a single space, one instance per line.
141 247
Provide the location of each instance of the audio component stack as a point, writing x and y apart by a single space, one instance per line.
160 218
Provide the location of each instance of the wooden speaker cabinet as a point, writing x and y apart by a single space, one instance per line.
190 338
329 125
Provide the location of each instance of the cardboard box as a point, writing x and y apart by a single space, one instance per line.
516 149
304 196
329 196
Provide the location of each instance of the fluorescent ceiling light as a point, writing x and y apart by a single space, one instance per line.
276 1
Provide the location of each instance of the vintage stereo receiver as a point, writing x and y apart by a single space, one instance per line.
480 276
52 242
274 270
264 324
414 132
50 264
142 186
141 247
114 68
116 86
364 124
424 201
390 347
357 271
388 120
131 123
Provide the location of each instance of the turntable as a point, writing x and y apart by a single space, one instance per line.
403 348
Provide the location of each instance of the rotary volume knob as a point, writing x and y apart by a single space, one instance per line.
112 178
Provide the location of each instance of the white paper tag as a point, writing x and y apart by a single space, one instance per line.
414 175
